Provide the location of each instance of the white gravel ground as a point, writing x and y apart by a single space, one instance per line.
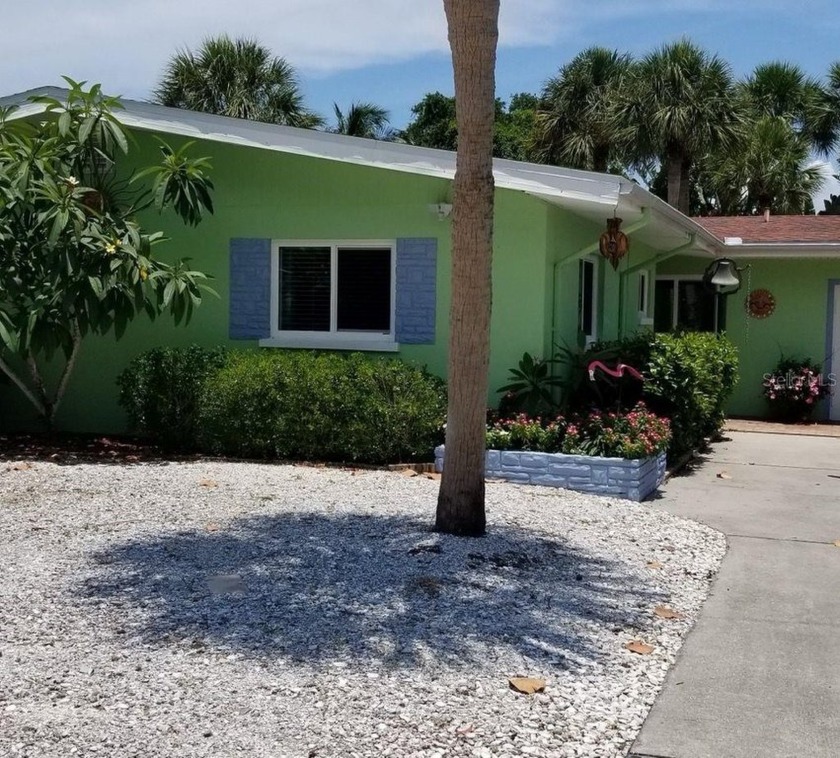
234 609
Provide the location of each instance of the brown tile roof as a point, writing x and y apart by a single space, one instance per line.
813 229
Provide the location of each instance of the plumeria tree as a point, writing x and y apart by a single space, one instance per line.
74 259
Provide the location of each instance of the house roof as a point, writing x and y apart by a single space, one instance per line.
802 229
589 194
777 236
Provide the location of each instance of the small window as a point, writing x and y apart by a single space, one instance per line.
334 295
588 300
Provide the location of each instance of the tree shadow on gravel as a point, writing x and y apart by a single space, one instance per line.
369 589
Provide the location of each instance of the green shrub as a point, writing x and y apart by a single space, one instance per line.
688 379
159 391
321 406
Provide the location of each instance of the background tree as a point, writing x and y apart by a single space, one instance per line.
362 120
73 258
434 125
513 134
238 78
680 106
473 37
576 123
769 166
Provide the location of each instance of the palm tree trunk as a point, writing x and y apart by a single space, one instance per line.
674 168
601 159
684 204
473 36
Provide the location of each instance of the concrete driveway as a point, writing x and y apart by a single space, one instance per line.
759 676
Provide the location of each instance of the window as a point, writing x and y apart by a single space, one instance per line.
336 295
684 303
588 300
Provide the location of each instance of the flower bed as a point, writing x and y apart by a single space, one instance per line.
619 477
613 453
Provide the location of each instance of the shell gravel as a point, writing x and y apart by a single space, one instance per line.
240 609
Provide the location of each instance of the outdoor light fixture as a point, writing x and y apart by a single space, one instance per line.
441 210
613 243
723 276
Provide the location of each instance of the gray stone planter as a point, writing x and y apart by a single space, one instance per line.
632 480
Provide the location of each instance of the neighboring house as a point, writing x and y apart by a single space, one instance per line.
788 304
330 242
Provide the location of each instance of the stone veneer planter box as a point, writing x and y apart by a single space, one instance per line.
632 480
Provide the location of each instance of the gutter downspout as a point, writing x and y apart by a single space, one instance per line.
656 260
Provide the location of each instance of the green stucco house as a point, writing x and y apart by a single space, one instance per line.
329 242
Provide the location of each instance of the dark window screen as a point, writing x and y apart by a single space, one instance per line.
586 298
305 289
695 307
663 304
364 290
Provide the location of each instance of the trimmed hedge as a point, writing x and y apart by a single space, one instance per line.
688 378
160 390
285 404
321 406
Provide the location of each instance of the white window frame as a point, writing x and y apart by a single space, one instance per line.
591 339
675 279
333 339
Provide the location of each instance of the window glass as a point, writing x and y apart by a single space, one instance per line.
663 316
364 290
695 307
687 305
305 289
586 298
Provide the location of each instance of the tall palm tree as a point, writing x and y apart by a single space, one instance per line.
681 106
782 90
238 78
576 124
769 167
363 120
473 37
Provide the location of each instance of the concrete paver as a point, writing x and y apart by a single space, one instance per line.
759 675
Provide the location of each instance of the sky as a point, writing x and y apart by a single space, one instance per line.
392 52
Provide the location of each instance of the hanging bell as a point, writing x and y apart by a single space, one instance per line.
613 243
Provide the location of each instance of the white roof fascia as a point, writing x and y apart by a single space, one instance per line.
706 242
785 250
562 186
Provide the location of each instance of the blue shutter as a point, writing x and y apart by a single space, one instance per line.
250 288
416 290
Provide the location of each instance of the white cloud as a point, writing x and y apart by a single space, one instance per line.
125 45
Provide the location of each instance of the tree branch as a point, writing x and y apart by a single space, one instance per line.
68 368
38 381
8 371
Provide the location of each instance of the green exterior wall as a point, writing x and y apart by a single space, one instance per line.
797 328
269 194
568 236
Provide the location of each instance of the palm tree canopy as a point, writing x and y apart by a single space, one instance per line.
783 90
769 168
362 120
576 123
684 102
238 78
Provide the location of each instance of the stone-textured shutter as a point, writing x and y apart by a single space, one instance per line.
250 288
416 290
